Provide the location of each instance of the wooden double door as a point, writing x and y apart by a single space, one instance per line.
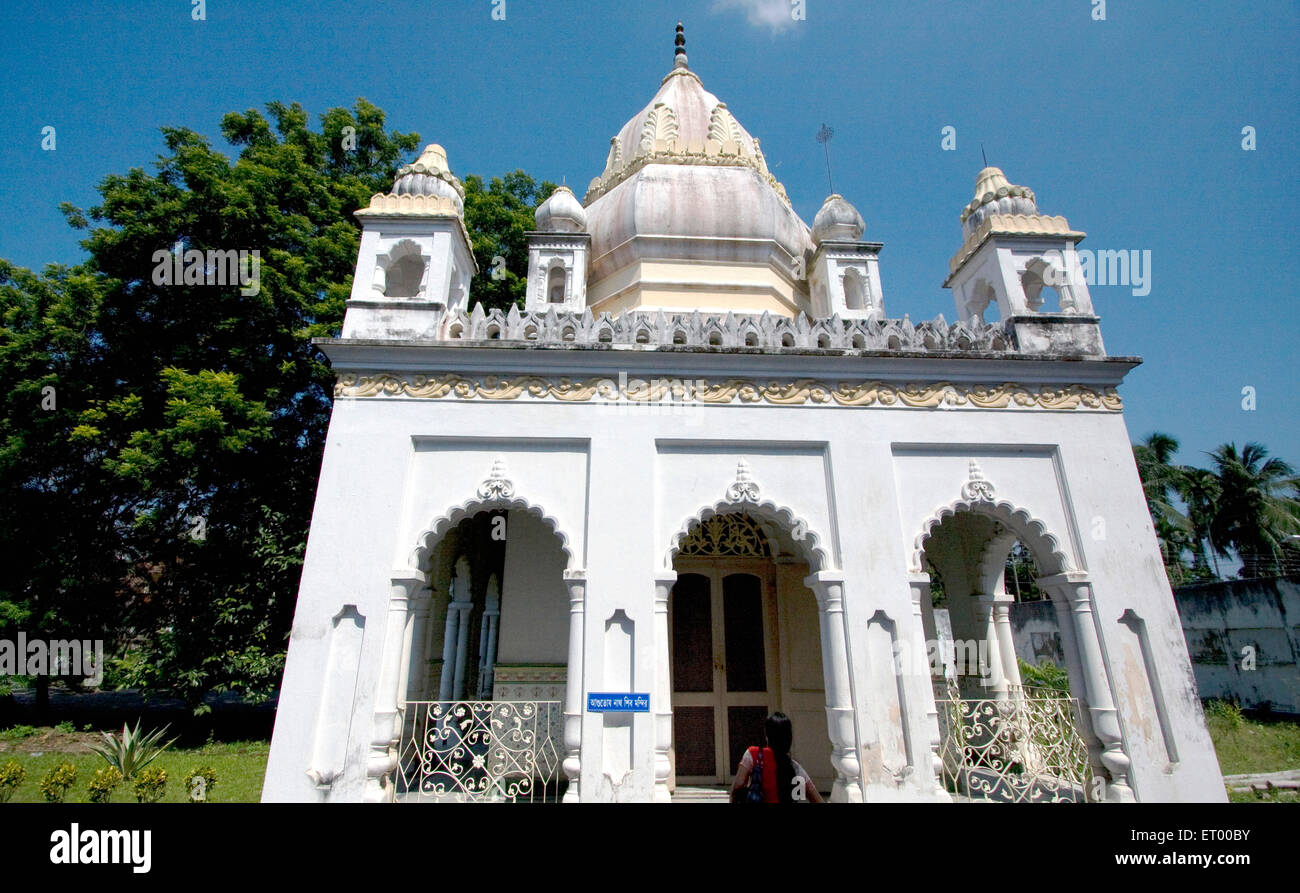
724 668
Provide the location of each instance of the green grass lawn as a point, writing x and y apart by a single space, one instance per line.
1249 745
240 768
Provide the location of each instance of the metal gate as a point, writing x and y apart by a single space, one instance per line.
1021 748
479 751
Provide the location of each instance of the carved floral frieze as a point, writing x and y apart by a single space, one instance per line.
796 392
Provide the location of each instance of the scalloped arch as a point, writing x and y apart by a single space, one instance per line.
429 538
1033 532
809 546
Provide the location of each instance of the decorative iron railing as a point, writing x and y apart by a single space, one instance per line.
480 751
1021 748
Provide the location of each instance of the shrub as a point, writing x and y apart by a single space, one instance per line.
17 733
200 783
131 751
12 775
103 783
66 727
1048 675
1226 712
150 785
56 782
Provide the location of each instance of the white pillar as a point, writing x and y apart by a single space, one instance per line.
1006 640
576 582
487 648
1078 685
424 690
1074 587
932 772
662 699
828 586
386 728
417 661
457 630
449 637
463 605
996 680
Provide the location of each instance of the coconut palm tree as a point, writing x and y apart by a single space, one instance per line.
1162 482
1254 510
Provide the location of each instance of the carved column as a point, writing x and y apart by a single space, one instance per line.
1006 641
456 631
386 729
1076 589
424 691
996 679
920 585
464 605
487 648
1078 685
828 586
662 699
417 662
576 581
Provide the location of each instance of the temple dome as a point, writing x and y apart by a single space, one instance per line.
430 175
684 182
561 213
837 221
995 195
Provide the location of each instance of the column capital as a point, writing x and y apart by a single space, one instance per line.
664 581
828 587
1067 578
409 578
576 582
919 582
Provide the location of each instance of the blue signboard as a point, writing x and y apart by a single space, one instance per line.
618 702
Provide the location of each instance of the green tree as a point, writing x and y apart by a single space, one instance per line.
161 499
1255 510
171 489
497 216
1163 482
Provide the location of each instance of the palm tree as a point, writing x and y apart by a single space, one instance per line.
1253 511
1162 481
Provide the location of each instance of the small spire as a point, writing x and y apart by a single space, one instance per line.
679 54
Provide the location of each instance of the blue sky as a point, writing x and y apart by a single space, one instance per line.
1130 127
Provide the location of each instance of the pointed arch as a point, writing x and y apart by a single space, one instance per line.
448 519
1021 524
810 545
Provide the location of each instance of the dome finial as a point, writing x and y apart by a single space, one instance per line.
679 55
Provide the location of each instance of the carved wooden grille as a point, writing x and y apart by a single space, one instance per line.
734 535
1025 748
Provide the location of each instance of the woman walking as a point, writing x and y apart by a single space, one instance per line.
768 774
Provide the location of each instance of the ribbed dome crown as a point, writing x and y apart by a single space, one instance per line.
837 221
430 175
995 195
561 213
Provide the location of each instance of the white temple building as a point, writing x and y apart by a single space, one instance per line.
579 551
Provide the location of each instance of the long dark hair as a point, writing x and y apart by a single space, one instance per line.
780 734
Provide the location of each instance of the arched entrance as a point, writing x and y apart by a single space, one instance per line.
744 641
479 649
1036 744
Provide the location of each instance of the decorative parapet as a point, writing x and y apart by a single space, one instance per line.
1013 225
389 205
717 330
